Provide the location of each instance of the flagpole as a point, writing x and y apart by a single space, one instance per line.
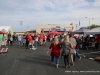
76 26
71 25
79 22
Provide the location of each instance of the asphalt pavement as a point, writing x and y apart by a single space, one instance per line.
21 61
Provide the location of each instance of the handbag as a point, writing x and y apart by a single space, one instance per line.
65 52
72 51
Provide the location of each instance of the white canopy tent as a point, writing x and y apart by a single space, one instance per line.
7 29
80 31
93 31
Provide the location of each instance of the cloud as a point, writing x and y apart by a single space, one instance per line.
33 12
41 4
96 3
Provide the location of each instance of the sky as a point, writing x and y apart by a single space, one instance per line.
33 12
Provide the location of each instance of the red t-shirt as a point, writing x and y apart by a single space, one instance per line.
55 50
51 36
29 38
41 37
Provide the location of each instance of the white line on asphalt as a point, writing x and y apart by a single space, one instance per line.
91 58
89 53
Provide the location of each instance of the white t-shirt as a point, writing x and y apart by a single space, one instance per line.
36 39
45 37
56 36
11 39
19 38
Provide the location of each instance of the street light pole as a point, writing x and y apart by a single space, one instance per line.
89 21
27 27
21 25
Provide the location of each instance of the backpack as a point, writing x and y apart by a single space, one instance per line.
66 49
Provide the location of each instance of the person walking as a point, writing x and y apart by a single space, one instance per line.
41 39
11 40
66 52
30 40
51 37
55 51
76 55
73 46
23 40
19 39
36 42
44 39
27 41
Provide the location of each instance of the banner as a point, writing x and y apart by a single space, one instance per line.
1 36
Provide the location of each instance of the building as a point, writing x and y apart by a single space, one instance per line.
31 31
7 29
52 27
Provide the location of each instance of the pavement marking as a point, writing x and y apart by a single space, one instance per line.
84 54
91 58
15 63
89 53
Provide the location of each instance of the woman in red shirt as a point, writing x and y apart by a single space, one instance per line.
55 51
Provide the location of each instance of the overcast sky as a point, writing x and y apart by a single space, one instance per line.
33 12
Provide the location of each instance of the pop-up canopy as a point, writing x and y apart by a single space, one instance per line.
93 31
80 31
55 32
3 32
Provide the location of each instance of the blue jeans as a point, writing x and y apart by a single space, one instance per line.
76 55
36 44
19 43
57 59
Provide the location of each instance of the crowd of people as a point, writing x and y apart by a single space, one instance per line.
67 46
70 45
88 40
29 40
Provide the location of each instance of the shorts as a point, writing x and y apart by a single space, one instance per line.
41 41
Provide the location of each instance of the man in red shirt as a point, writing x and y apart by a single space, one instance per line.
29 37
41 39
51 37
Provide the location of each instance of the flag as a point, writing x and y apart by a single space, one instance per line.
79 23
72 27
71 24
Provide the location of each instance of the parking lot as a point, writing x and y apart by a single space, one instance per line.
21 61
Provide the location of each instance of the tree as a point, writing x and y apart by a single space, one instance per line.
93 26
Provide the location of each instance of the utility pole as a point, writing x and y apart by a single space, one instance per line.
27 27
89 21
